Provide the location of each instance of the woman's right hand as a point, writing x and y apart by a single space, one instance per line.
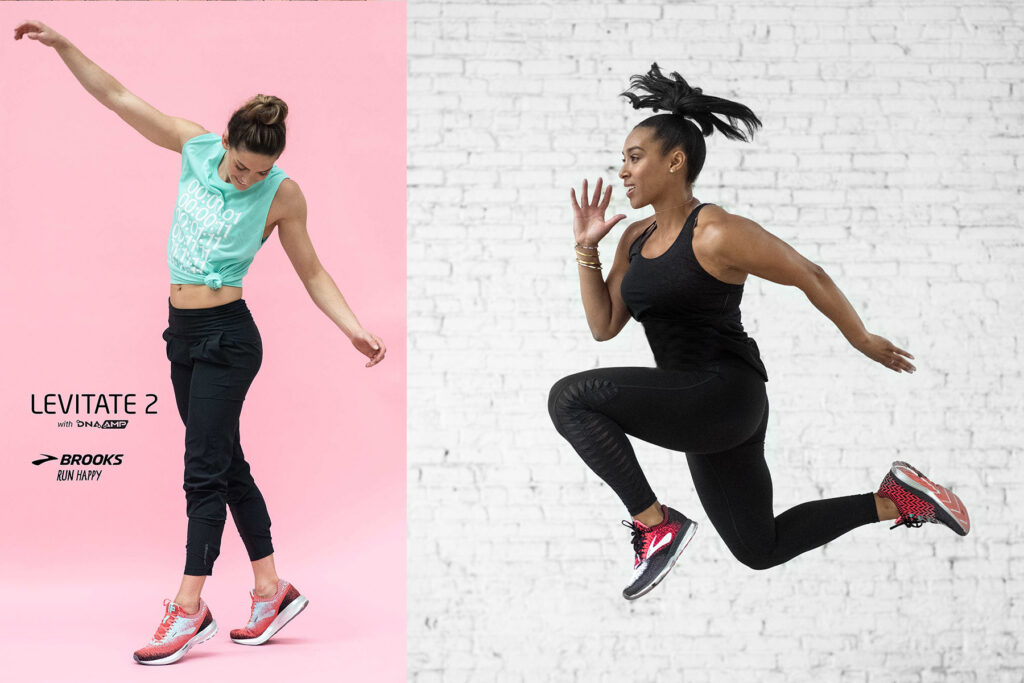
589 225
881 350
37 30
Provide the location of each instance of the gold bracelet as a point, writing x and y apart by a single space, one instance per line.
592 266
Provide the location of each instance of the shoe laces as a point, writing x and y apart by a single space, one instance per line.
913 521
252 614
638 536
166 622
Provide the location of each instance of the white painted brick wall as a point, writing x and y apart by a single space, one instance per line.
893 155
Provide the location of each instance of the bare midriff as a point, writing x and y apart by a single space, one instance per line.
201 296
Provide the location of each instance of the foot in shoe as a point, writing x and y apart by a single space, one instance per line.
269 615
919 500
177 633
656 549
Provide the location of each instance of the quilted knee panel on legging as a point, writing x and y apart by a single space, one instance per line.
575 407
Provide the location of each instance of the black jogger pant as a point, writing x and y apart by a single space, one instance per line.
717 415
215 353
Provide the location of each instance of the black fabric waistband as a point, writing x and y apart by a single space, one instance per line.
233 307
202 320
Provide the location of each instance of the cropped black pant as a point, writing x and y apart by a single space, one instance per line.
215 354
717 415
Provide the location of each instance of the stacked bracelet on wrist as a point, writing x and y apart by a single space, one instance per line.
587 257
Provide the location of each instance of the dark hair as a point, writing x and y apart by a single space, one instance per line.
684 102
259 126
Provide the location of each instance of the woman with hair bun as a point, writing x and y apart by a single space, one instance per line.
680 273
231 196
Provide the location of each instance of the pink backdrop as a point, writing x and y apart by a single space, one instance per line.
87 207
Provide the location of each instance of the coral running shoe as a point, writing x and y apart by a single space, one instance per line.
919 500
177 633
657 548
269 615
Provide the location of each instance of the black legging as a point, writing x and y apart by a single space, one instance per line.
215 354
717 415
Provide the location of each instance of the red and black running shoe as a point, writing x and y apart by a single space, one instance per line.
919 500
656 550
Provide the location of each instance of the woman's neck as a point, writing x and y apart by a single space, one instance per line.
671 214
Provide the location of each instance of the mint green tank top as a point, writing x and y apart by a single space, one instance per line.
217 228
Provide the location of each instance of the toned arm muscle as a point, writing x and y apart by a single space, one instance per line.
602 301
166 131
744 245
159 128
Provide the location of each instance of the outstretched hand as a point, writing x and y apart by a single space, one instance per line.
881 350
37 30
370 345
589 225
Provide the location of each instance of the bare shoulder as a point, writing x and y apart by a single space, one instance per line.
289 204
715 224
289 198
186 130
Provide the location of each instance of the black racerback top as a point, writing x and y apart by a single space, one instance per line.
691 317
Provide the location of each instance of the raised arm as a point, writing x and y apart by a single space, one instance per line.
166 131
742 244
602 302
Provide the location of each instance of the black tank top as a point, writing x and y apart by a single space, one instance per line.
691 318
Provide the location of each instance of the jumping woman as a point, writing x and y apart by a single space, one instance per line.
231 196
680 273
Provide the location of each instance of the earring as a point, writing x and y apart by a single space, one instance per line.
671 170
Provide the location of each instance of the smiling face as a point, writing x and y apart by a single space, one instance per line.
244 168
648 173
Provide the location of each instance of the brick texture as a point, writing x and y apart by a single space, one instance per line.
892 155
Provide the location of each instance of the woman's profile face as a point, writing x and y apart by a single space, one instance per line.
244 168
645 170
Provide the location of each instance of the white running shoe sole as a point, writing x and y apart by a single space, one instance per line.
282 618
201 637
671 561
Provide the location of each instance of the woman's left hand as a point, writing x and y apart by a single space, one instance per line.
370 345
881 350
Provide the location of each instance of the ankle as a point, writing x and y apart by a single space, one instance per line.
189 608
885 508
266 589
652 516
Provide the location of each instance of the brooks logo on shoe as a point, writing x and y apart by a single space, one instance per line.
660 543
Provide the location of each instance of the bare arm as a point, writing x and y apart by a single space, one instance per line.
744 245
602 302
166 131
602 298
318 282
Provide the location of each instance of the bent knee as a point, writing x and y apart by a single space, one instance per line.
755 558
757 562
560 399
577 393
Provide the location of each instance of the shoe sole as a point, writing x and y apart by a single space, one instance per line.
201 637
282 618
687 537
954 512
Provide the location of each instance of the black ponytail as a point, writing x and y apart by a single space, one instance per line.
687 106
